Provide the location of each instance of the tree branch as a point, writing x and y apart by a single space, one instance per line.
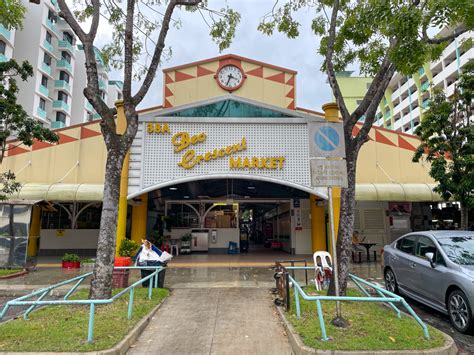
67 15
95 19
329 65
458 31
150 75
128 56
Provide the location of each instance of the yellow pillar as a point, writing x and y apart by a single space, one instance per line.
122 207
331 114
35 228
318 225
139 219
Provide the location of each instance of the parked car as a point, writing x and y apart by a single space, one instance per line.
435 268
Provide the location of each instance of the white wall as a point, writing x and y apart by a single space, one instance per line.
224 236
72 239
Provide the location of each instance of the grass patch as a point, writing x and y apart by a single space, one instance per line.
6 272
372 327
64 328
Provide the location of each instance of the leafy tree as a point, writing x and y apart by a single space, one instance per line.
14 121
381 37
447 134
137 47
12 13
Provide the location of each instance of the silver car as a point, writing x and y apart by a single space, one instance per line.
435 268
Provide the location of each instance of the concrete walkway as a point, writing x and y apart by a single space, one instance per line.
215 321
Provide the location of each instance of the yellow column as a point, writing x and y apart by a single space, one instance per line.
331 114
318 226
35 228
139 219
122 207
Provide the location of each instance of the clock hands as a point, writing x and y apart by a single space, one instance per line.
229 78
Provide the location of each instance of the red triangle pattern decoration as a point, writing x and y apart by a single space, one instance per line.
404 144
291 94
40 145
178 76
12 150
168 92
279 78
258 72
380 138
355 131
203 71
168 79
291 106
167 104
65 139
291 81
88 133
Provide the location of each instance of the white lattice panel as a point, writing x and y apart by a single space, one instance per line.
153 160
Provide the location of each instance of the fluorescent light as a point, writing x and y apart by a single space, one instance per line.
173 188
251 187
186 196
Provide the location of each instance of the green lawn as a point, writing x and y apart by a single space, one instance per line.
372 327
6 272
64 328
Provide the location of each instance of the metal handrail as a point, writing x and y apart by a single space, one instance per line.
384 297
23 300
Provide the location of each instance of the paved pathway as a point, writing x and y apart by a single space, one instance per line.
215 321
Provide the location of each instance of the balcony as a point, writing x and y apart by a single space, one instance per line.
421 71
66 45
59 104
425 86
3 58
89 106
57 124
44 90
51 26
48 46
425 103
102 85
46 68
5 33
61 84
55 3
386 114
41 113
96 116
64 64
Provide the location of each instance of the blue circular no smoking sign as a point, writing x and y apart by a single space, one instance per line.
326 138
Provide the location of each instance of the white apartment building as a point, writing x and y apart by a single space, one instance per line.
407 97
54 95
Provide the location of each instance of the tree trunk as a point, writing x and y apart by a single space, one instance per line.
464 217
101 284
346 222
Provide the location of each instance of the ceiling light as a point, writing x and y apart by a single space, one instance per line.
251 187
246 196
173 188
186 196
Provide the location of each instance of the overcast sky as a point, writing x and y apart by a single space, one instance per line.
192 42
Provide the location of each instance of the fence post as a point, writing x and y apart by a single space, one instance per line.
130 303
287 290
297 303
90 332
321 321
150 287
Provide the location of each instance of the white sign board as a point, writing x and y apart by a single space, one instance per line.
326 140
328 172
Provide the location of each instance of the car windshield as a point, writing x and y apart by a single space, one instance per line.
459 249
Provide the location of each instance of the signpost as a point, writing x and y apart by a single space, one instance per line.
328 168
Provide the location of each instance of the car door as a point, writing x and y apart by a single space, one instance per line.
402 260
431 281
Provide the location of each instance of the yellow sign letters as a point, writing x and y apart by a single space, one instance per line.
256 163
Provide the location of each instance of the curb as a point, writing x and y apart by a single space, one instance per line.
298 347
119 349
12 276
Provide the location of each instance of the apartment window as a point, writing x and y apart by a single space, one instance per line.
68 37
3 47
66 56
52 16
102 94
47 59
64 76
61 116
42 104
62 96
49 37
119 96
44 81
90 116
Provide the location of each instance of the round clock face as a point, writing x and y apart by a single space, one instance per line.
230 77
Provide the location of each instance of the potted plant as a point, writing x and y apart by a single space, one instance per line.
87 264
186 243
126 249
71 261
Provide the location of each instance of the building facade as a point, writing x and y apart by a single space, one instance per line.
407 97
54 94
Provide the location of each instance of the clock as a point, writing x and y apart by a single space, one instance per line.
230 77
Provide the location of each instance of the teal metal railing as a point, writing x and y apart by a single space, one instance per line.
4 32
44 292
384 297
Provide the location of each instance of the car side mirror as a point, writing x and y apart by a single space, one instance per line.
430 257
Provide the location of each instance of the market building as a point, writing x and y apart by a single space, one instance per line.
225 158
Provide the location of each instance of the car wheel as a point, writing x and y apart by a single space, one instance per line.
390 281
460 312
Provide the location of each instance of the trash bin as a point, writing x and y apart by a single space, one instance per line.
161 277
120 278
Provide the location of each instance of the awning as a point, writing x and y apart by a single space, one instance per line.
94 192
60 192
397 192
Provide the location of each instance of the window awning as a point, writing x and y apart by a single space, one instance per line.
94 192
